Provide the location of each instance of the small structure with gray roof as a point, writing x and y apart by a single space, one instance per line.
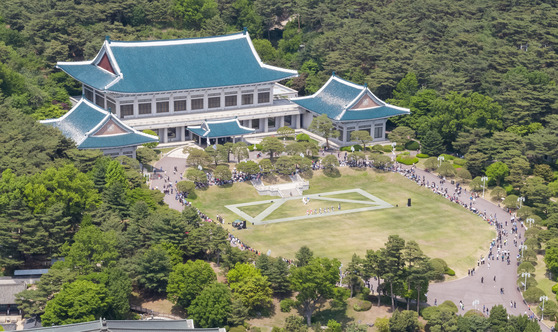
154 325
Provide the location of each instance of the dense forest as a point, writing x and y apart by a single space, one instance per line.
479 77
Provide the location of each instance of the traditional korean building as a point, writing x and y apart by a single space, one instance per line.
351 107
91 127
179 87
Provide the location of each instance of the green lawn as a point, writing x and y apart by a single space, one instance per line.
254 210
442 229
296 208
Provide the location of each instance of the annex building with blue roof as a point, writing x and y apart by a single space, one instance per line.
92 127
175 86
351 107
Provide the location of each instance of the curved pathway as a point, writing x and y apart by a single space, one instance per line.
485 284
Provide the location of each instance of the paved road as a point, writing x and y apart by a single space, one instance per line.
494 276
466 289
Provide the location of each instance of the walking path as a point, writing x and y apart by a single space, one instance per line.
466 289
494 274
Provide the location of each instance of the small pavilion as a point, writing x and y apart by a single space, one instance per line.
220 130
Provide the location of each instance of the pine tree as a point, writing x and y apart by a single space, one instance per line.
432 144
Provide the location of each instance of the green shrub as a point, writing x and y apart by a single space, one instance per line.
362 305
287 304
450 272
302 137
399 147
447 157
255 329
382 324
422 155
412 145
406 153
450 306
473 312
348 148
526 267
555 288
237 329
387 148
459 161
406 160
429 312
258 147
377 147
439 266
533 294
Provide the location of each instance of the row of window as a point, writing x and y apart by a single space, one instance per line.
195 104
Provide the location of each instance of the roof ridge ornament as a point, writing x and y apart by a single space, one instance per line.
107 38
244 30
333 73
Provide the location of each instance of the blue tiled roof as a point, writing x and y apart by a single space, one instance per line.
85 118
103 142
336 98
373 113
331 100
89 74
152 66
221 129
78 121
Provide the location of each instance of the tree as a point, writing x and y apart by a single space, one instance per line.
497 171
303 256
186 187
401 135
392 255
431 164
551 259
212 307
249 167
266 166
286 131
187 281
498 192
145 155
91 251
498 318
197 157
464 174
432 143
314 282
285 165
248 284
277 272
544 171
80 301
153 268
330 164
361 136
223 173
197 176
446 169
240 151
218 153
151 145
272 145
193 13
322 125
404 321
